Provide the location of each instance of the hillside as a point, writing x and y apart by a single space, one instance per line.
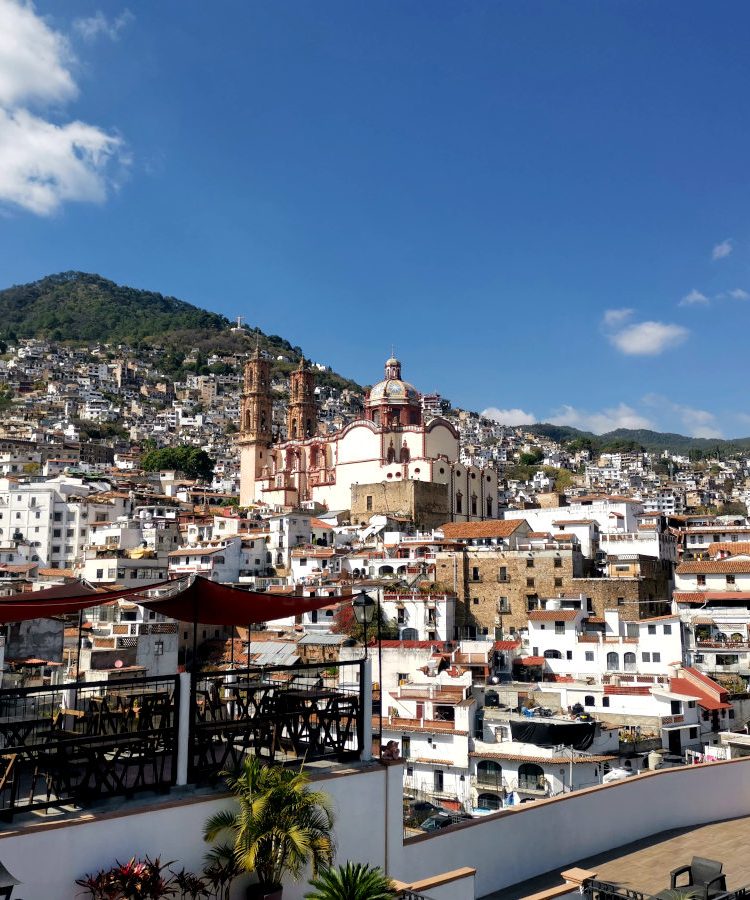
83 308
654 441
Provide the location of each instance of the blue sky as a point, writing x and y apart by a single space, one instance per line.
544 206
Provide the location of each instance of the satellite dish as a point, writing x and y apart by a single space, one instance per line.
118 663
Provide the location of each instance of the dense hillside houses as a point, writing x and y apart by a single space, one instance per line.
549 616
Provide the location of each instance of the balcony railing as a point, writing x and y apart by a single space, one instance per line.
603 890
76 744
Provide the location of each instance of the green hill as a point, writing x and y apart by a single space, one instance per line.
627 438
82 308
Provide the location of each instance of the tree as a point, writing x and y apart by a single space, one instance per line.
345 622
192 461
280 825
354 881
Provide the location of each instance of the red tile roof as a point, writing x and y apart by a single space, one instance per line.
500 528
637 691
553 615
715 567
531 661
506 645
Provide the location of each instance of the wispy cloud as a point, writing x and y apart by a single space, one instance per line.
92 27
722 250
739 294
694 298
648 338
44 163
620 416
509 416
695 422
614 317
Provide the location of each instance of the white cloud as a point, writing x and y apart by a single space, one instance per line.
695 422
648 338
42 165
694 298
739 294
722 250
45 163
620 416
614 317
509 416
98 25
34 60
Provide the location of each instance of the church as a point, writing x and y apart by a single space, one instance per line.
390 462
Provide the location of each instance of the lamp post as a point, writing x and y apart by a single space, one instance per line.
364 610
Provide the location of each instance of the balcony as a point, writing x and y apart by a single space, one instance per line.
78 744
503 579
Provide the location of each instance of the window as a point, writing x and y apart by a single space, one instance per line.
589 656
368 502
475 573
730 579
656 657
646 657
700 580
502 574
605 701
69 532
475 601
552 654
503 606
568 654
559 627
56 532
667 629
406 746
438 781
620 601
529 582
675 707
652 629
588 700
459 501
558 582
693 733
159 648
99 574
401 616
529 563
629 662
57 517
558 563
631 629
613 661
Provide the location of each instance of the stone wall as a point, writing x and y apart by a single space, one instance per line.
495 588
424 502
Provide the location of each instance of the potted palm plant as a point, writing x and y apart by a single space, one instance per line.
278 827
354 881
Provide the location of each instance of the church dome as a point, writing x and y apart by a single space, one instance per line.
394 389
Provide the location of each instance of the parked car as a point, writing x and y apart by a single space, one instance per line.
443 820
416 811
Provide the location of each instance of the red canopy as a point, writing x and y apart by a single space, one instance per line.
194 599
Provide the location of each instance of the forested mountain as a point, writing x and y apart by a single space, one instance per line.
82 308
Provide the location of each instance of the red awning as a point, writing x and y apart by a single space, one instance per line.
193 599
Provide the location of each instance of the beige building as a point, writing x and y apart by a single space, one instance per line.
501 570
390 446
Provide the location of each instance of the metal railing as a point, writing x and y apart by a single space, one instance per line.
603 890
280 713
70 745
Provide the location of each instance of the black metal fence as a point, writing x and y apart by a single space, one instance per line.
67 746
280 713
602 890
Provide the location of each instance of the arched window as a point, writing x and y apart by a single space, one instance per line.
459 501
552 654
531 777
404 453
473 504
588 700
613 662
488 801
489 772
293 435
409 634
489 507
629 661
391 453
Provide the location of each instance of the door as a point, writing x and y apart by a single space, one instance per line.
675 745
420 710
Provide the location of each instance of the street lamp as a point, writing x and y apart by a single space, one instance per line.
364 610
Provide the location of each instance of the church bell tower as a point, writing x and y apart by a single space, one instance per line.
301 419
255 425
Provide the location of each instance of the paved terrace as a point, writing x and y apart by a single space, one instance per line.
645 865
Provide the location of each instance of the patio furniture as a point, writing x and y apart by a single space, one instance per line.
705 878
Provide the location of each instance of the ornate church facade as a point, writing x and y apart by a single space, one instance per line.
406 461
